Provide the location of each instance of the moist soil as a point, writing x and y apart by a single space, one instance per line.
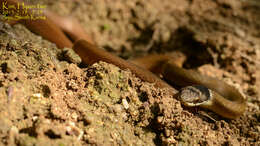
48 97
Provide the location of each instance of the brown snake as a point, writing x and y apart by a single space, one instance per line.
201 90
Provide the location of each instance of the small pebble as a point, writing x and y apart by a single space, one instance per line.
125 103
71 56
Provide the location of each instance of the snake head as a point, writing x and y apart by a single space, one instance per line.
194 95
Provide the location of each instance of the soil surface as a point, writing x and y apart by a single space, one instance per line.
48 97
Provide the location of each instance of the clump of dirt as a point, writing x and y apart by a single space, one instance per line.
47 99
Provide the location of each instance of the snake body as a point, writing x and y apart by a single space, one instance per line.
202 91
219 97
199 90
211 93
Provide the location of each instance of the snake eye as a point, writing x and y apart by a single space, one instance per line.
194 95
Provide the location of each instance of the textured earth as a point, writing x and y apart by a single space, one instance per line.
48 97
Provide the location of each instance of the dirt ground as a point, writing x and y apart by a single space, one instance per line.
48 97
